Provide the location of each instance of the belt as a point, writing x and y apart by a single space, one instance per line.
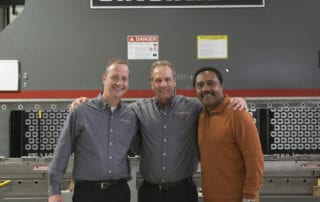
169 185
102 184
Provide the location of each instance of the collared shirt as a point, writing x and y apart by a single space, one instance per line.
99 140
168 150
231 155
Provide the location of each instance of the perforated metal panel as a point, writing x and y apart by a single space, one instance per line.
286 126
35 132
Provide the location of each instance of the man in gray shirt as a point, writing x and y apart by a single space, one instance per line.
99 133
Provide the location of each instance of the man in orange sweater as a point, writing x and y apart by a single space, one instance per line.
230 150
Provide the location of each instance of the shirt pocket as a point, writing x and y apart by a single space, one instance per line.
126 130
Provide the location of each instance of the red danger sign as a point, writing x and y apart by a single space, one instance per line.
143 38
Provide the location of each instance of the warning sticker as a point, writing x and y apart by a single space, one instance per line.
212 47
143 47
37 167
310 165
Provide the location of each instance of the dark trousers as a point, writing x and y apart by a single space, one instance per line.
183 192
87 193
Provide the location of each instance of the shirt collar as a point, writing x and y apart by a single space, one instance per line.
103 104
171 102
221 106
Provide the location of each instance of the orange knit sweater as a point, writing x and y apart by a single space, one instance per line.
231 156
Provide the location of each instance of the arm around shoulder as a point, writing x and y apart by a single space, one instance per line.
77 102
238 103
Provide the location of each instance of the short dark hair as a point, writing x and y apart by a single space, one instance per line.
210 69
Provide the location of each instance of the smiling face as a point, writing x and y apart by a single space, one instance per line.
116 81
209 89
163 83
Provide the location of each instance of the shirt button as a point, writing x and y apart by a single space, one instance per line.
111 130
110 157
164 154
163 168
109 171
110 143
165 126
164 140
165 113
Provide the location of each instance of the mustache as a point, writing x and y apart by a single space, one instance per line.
207 93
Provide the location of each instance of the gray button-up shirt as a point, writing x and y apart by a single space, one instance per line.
168 149
99 140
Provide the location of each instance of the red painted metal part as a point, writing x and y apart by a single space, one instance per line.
57 94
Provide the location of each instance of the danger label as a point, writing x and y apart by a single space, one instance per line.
143 38
143 47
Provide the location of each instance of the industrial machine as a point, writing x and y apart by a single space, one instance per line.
289 132
26 179
286 179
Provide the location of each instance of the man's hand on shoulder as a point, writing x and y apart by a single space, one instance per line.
238 103
77 102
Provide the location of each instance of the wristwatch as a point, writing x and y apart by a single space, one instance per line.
248 200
